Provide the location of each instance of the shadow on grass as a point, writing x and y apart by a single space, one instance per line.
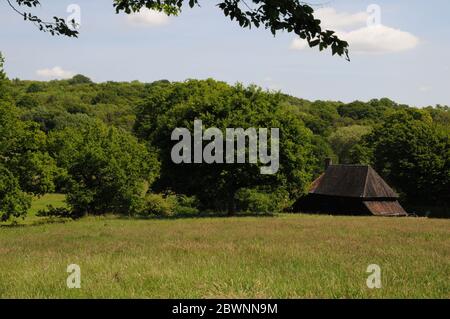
59 220
46 221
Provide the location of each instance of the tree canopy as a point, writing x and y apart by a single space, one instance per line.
412 153
108 170
25 167
107 146
222 106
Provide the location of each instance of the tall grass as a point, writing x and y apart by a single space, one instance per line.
287 256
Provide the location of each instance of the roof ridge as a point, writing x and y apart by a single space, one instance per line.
353 181
387 187
365 181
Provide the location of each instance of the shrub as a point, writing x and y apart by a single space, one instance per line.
167 205
60 212
159 205
258 201
186 205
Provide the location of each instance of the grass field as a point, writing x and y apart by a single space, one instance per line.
287 256
41 203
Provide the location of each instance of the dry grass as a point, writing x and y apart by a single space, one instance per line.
288 256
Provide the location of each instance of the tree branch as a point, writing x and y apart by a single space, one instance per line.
59 27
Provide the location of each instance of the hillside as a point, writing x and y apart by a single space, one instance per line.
58 125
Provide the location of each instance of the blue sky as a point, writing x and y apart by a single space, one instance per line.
405 56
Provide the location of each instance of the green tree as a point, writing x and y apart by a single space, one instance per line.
108 170
413 155
13 202
321 117
23 152
321 151
79 79
357 111
25 167
344 139
35 87
222 106
440 115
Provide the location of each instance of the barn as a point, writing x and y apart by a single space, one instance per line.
351 190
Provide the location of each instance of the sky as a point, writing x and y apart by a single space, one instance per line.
398 49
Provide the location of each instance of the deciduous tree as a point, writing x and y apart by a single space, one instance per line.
222 106
413 155
108 170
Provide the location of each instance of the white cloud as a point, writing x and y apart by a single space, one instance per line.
299 44
364 39
55 72
148 18
425 88
331 19
380 39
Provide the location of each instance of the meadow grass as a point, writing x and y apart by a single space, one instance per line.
285 256
41 203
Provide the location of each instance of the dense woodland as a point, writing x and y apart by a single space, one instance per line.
107 147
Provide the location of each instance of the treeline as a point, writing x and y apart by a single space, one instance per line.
107 147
